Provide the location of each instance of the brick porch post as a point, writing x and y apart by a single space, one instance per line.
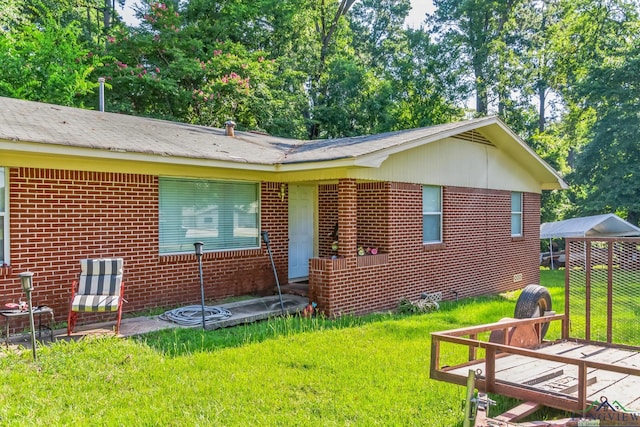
347 218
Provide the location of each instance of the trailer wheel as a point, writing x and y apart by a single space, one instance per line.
534 301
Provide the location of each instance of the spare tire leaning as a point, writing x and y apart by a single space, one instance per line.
534 301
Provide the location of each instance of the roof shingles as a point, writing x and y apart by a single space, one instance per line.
29 121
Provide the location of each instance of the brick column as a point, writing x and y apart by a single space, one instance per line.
347 218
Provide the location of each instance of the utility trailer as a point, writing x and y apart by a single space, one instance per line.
590 370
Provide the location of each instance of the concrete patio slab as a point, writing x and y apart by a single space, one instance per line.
245 311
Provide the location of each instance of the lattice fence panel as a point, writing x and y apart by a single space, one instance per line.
604 289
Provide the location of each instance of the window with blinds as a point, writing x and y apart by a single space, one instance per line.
223 215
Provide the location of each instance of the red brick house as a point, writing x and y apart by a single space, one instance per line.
453 208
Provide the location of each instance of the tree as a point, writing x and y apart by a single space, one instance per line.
94 17
528 79
471 28
609 165
589 39
425 92
46 61
378 31
246 87
10 14
316 68
155 66
355 101
165 69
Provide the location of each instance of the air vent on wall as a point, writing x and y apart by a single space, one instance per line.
473 136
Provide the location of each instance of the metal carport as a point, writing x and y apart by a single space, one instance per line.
605 225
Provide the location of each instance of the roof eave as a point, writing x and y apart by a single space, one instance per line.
316 165
550 179
82 152
560 184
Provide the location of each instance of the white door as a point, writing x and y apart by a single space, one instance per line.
301 243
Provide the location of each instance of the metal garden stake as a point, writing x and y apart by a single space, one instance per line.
26 279
265 237
198 246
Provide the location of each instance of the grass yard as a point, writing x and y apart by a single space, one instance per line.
363 371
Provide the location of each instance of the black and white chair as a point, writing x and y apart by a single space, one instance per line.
99 288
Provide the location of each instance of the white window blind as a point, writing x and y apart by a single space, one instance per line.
223 215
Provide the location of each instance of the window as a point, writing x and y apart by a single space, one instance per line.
516 214
222 215
431 214
4 219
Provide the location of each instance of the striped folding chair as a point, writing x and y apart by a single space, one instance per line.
100 288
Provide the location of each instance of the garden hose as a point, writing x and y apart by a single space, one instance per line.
191 315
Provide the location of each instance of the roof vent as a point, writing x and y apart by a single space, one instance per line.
229 126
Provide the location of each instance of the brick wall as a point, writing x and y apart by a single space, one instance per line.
373 215
59 217
478 255
327 218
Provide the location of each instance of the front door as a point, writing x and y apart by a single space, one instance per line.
301 230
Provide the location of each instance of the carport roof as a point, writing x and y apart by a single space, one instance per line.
605 225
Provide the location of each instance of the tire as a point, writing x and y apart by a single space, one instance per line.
534 301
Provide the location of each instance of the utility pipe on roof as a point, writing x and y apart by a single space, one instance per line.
229 126
101 102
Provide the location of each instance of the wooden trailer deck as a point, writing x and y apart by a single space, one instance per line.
571 375
592 370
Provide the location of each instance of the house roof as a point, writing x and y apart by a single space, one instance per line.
606 225
64 130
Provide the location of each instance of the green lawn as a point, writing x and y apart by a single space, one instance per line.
365 371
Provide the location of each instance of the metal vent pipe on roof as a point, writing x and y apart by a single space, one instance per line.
101 82
229 126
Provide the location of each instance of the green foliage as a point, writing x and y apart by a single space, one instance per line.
245 87
413 88
47 63
164 70
10 14
354 101
378 33
473 29
606 166
154 70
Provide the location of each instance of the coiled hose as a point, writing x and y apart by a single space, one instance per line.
191 315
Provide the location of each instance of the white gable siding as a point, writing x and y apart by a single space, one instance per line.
453 162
